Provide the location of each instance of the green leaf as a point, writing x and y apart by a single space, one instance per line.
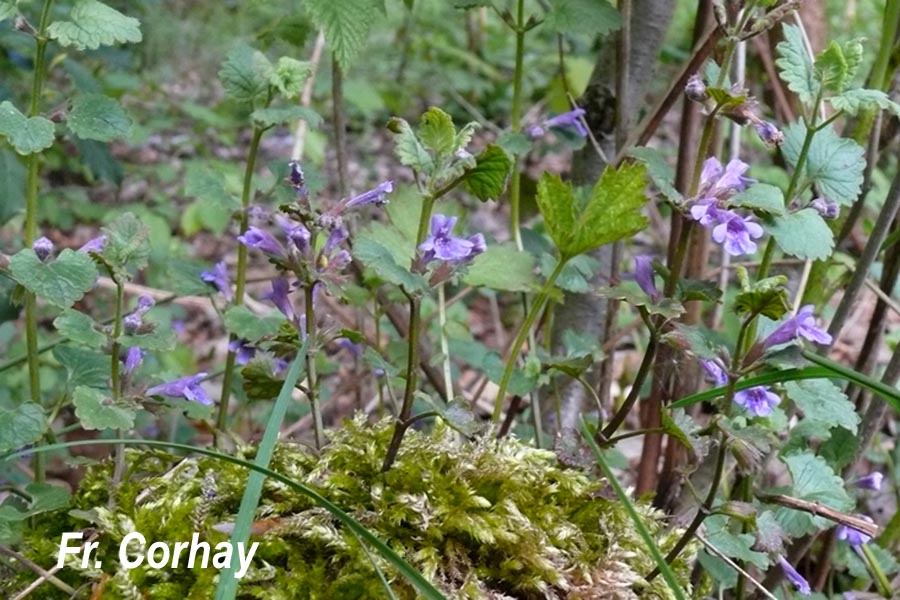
814 481
95 410
85 367
487 180
268 117
515 143
27 135
661 174
437 132
8 10
588 17
98 117
760 197
246 325
93 24
612 211
822 401
159 340
502 267
127 243
346 25
840 449
834 164
699 341
408 148
217 205
738 546
245 73
62 281
766 297
43 498
888 393
832 69
21 425
79 327
795 66
380 260
259 383
853 101
12 185
803 234
289 76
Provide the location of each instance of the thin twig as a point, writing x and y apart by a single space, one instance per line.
820 510
43 573
306 97
713 550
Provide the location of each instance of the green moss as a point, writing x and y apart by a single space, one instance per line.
481 519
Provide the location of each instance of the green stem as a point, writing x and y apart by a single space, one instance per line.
240 276
516 117
119 461
513 355
31 208
312 378
412 362
881 580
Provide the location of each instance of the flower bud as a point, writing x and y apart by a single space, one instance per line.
826 208
769 133
43 248
695 89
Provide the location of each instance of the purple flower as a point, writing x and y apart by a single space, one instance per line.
218 277
735 233
796 579
187 387
706 212
280 365
769 133
571 119
337 237
872 481
295 232
802 324
478 245
145 303
94 245
260 239
715 371
444 246
852 536
535 131
695 89
43 247
133 359
244 352
338 263
826 208
134 320
279 297
352 347
721 182
375 196
759 400
296 176
643 274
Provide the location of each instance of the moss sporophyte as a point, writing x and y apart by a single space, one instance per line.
480 519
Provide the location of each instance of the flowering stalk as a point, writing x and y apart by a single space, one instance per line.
31 209
515 118
240 277
119 468
524 331
412 363
311 377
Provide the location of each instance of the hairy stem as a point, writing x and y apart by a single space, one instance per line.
119 467
524 330
516 117
311 377
240 277
31 197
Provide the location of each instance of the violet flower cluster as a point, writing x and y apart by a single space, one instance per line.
803 324
443 245
572 119
718 183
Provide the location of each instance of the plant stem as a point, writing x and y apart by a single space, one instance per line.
412 362
340 123
513 355
516 117
119 467
312 378
635 393
445 347
31 195
240 277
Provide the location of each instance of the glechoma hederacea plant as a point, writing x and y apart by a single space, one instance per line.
380 404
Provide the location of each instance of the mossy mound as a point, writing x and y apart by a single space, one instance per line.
481 519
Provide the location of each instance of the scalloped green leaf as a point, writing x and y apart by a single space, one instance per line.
95 410
803 234
79 327
62 281
21 425
487 180
93 24
98 117
27 135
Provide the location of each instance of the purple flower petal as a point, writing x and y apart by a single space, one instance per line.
376 196
279 297
219 278
826 208
852 536
94 245
260 239
769 133
872 481
715 371
296 233
759 400
43 247
244 352
735 232
645 277
186 387
802 324
571 119
796 579
133 359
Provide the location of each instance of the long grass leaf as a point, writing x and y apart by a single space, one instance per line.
765 379
888 394
652 548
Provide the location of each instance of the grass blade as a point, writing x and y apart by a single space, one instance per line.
887 393
652 548
765 379
417 580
